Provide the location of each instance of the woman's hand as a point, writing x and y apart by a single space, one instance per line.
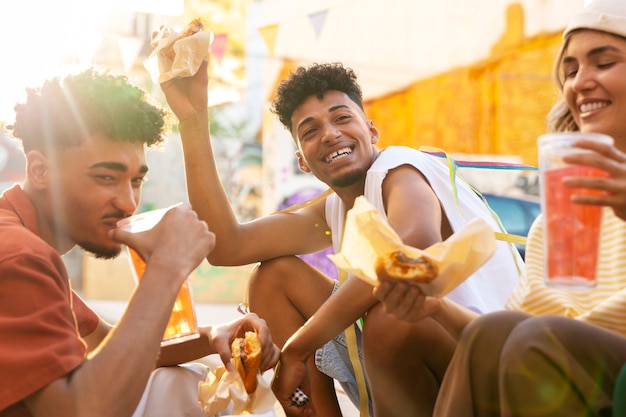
607 158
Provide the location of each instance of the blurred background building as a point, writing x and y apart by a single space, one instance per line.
470 77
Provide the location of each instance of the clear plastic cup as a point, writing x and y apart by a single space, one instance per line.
571 230
182 324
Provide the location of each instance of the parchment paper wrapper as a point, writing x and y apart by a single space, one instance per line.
221 387
368 235
190 51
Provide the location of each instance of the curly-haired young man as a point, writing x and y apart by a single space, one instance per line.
84 137
321 106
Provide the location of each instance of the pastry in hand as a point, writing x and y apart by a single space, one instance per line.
398 265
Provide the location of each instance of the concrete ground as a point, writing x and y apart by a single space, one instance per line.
207 313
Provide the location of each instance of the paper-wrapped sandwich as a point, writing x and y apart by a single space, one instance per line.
195 26
178 54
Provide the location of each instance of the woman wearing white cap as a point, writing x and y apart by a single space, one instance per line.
559 353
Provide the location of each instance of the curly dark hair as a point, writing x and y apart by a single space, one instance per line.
65 110
316 80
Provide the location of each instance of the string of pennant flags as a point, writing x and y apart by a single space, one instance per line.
218 46
130 46
269 32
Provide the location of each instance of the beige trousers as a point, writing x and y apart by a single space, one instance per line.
513 364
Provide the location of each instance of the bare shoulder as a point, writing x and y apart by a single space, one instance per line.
406 172
405 180
412 207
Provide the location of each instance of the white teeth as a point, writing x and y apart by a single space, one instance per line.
584 108
339 154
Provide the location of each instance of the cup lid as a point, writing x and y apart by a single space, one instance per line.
565 137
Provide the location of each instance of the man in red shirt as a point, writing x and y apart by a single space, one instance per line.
84 137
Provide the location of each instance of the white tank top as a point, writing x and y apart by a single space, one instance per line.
488 288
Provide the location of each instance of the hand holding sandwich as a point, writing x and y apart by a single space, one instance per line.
221 338
188 96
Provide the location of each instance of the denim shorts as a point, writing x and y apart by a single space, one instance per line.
333 360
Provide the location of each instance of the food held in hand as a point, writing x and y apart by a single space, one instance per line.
195 26
398 265
247 359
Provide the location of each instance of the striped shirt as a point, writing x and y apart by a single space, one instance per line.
604 305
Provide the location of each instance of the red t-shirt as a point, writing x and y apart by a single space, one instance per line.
41 318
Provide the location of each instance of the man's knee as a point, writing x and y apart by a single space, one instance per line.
268 275
276 279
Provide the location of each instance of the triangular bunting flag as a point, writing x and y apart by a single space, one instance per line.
268 33
129 47
218 47
317 20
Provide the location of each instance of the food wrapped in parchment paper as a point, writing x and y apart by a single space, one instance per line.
367 236
222 388
178 54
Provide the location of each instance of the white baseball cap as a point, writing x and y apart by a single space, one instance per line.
603 15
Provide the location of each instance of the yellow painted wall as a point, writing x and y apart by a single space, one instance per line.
497 106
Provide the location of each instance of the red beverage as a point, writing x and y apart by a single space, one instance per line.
572 230
182 323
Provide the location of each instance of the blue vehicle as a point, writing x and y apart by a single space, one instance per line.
516 214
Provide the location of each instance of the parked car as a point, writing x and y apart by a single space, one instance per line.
516 214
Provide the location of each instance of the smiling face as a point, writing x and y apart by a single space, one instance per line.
593 69
86 189
335 141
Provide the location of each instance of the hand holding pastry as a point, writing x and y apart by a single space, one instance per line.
398 265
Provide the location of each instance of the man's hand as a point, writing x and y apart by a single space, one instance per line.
405 301
179 242
188 96
292 373
221 336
